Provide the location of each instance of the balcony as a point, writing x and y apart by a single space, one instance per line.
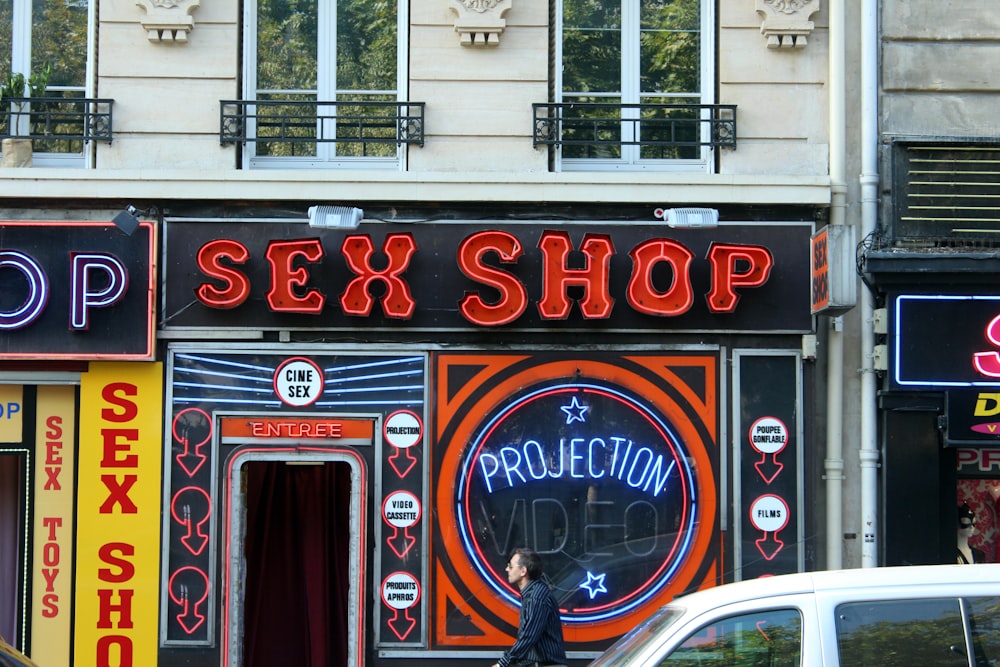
57 124
296 128
659 131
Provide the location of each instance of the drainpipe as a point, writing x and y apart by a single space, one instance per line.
868 452
834 462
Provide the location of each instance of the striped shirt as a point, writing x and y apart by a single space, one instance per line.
539 630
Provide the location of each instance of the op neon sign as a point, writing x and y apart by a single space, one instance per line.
594 480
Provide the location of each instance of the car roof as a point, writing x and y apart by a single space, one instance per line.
892 581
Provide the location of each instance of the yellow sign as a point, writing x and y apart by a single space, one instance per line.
118 515
52 585
10 412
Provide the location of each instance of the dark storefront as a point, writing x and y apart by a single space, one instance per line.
939 408
626 401
342 434
80 448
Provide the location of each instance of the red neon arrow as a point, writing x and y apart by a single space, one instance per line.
410 461
774 465
769 548
190 461
405 540
190 618
196 539
401 627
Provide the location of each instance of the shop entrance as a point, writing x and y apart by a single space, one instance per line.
13 467
294 559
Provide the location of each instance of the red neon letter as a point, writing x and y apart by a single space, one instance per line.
988 363
756 262
282 298
643 295
597 301
397 301
513 296
235 285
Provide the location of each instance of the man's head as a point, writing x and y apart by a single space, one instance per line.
524 565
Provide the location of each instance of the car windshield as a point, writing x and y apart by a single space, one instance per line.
637 640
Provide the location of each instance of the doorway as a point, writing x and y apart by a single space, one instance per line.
295 573
13 523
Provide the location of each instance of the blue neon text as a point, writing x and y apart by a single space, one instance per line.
578 458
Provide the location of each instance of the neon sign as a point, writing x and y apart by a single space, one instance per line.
966 353
593 479
988 363
579 458
733 267
76 290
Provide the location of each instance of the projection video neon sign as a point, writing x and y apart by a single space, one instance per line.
595 481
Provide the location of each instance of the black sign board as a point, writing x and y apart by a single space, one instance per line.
973 417
248 255
768 455
944 341
76 290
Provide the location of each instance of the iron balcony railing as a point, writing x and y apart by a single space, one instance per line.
657 128
56 124
359 123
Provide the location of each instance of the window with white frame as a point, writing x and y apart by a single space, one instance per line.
635 84
46 36
322 81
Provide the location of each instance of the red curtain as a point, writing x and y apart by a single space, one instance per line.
11 512
297 564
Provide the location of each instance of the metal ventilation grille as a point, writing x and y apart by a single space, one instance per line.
947 192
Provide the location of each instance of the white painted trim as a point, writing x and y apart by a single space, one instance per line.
358 187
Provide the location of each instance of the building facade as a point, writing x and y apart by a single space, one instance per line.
312 312
932 266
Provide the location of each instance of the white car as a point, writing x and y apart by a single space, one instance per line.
921 616
11 657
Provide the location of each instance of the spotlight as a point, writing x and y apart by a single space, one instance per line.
687 218
335 217
126 220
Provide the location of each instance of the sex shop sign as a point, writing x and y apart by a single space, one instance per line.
751 277
76 290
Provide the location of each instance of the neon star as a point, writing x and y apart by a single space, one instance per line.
594 584
574 411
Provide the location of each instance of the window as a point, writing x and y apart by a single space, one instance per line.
901 633
322 83
35 34
769 638
638 74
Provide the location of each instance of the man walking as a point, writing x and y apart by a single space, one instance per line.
539 631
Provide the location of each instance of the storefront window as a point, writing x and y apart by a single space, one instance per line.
976 517
11 542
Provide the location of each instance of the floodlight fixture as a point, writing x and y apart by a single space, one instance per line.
335 217
126 220
688 218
